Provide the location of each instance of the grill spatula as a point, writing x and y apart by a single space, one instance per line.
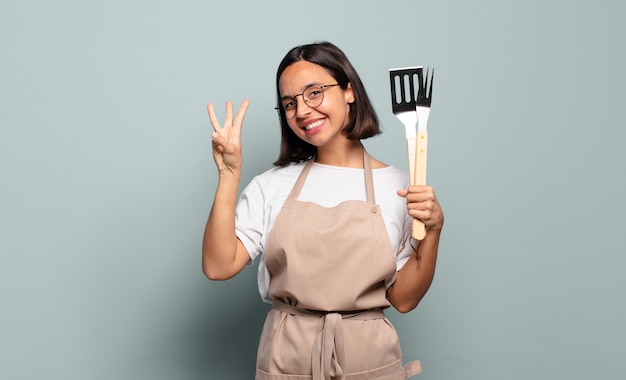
404 96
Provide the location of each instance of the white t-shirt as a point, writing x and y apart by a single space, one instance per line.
263 198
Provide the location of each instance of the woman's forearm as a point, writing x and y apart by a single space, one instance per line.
414 279
222 255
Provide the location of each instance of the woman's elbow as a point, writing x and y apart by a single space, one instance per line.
214 276
405 307
215 273
402 302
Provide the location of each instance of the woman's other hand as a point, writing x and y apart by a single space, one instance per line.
422 204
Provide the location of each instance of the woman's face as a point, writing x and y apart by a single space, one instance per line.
322 124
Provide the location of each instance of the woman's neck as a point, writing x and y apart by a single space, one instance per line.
348 155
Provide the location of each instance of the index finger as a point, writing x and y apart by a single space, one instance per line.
213 118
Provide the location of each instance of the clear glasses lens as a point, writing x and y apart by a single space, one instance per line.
312 96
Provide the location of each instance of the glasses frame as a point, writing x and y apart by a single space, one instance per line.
281 109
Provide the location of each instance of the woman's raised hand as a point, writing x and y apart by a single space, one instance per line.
422 204
227 138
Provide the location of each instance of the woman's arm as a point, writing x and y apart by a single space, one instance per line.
414 279
223 254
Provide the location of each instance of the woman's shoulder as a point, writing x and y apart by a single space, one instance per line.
390 173
277 177
376 164
386 169
280 172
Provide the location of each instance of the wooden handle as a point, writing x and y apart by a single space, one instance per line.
419 230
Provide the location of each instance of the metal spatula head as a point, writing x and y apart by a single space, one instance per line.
404 89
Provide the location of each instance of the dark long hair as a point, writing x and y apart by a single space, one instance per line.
363 122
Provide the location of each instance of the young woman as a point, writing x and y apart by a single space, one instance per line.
332 226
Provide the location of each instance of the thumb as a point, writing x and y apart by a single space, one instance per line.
402 192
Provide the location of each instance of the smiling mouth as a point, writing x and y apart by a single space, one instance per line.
314 124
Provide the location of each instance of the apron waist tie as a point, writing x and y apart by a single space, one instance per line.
328 355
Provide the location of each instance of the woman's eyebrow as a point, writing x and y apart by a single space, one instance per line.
303 89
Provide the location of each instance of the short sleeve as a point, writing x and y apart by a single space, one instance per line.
408 246
249 219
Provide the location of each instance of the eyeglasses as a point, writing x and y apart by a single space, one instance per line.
313 96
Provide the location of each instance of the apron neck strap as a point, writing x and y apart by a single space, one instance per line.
369 178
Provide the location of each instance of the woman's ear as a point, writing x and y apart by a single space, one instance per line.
349 94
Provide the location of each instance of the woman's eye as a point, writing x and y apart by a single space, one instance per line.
289 105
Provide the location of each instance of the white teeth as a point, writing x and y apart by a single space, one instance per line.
314 125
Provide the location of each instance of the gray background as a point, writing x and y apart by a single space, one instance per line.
107 179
